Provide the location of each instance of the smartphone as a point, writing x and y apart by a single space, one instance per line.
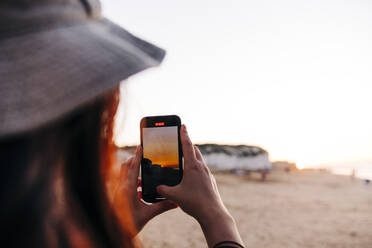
162 154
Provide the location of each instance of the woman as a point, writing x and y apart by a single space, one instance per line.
60 65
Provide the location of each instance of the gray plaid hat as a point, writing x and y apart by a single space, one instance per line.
57 55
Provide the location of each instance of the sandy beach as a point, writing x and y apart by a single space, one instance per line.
297 209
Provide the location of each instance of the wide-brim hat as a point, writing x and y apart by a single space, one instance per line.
58 55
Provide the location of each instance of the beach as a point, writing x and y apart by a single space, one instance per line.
295 209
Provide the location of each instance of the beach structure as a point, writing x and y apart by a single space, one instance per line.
239 159
285 166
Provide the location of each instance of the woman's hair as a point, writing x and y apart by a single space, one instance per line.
54 182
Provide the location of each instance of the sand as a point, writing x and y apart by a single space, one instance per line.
299 209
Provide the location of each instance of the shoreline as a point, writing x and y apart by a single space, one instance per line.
360 172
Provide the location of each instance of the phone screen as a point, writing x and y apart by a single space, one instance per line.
161 162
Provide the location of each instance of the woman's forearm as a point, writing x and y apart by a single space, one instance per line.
220 226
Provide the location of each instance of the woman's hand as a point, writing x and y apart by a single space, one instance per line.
141 212
198 196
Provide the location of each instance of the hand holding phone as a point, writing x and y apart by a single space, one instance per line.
198 196
126 200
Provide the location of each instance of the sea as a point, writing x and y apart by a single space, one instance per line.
360 170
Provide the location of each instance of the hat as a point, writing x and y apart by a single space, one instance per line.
57 55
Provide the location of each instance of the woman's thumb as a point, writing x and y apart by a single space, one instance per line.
167 191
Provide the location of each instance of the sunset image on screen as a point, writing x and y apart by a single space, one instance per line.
160 145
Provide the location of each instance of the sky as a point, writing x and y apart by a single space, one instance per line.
160 145
291 76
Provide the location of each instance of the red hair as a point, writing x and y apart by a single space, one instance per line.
57 183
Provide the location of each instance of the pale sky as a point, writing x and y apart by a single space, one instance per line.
292 76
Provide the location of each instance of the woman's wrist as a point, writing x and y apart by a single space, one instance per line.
218 225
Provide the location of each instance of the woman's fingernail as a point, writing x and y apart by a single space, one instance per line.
184 128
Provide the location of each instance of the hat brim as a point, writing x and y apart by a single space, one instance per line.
53 72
